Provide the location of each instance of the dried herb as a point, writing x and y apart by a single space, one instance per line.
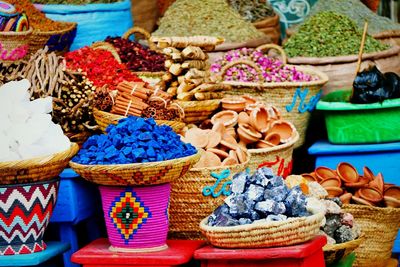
329 34
253 10
206 17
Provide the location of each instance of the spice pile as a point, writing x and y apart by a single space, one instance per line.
262 196
329 34
218 146
188 75
273 70
253 10
133 140
206 17
26 129
137 57
100 67
349 186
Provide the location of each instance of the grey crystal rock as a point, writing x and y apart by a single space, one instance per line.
240 206
223 209
245 221
332 224
275 181
337 201
261 177
343 234
266 206
254 192
239 183
279 208
274 217
278 193
254 215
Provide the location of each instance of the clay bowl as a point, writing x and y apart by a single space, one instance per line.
231 131
243 118
247 135
359 184
309 177
233 103
331 182
273 138
241 155
386 186
361 201
324 172
250 107
393 191
214 138
391 202
229 141
370 194
220 153
259 119
264 144
368 174
347 172
377 182
228 117
249 100
345 198
219 127
334 191
196 137
283 128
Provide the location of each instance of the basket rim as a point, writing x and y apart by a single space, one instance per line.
41 160
323 79
71 26
279 147
257 225
358 206
223 167
353 243
8 34
53 180
132 166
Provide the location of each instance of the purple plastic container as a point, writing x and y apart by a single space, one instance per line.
136 217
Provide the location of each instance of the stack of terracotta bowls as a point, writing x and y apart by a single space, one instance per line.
347 184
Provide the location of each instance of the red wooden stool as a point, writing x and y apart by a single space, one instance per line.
97 254
308 254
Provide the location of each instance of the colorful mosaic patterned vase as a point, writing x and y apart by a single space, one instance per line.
136 217
25 211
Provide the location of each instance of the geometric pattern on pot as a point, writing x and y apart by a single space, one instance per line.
25 212
128 214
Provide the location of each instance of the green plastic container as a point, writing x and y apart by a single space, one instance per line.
348 123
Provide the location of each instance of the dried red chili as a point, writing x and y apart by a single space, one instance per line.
100 67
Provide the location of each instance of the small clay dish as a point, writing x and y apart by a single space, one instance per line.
331 182
368 174
361 201
229 141
264 144
273 138
241 154
283 128
309 177
231 131
247 135
345 198
334 191
211 160
250 107
359 184
228 117
243 118
232 154
324 172
386 186
214 138
393 191
219 127
274 114
233 103
377 182
391 202
229 161
220 153
249 99
347 172
259 119
370 194
197 137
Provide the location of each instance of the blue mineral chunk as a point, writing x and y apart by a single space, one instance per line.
243 221
254 215
139 153
110 152
160 157
100 156
151 152
254 192
265 207
240 207
278 193
275 218
127 150
144 136
279 208
276 181
91 141
266 172
239 182
261 177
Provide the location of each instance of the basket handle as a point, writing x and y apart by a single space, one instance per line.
264 48
143 32
108 47
245 62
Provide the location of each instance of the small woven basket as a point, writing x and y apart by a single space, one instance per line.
335 252
264 234
103 119
58 41
295 100
278 158
135 174
11 42
189 205
36 169
380 227
198 111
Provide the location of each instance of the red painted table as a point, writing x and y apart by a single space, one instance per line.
97 254
308 254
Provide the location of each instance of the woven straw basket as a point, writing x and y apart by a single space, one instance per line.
286 96
278 158
335 252
380 227
36 169
12 40
264 234
188 204
149 173
103 119
198 111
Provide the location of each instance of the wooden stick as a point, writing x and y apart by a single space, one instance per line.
361 47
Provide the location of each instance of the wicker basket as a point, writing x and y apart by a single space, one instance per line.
108 47
295 100
270 26
380 227
58 41
11 41
278 158
198 111
335 252
135 174
36 169
103 119
264 234
188 204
